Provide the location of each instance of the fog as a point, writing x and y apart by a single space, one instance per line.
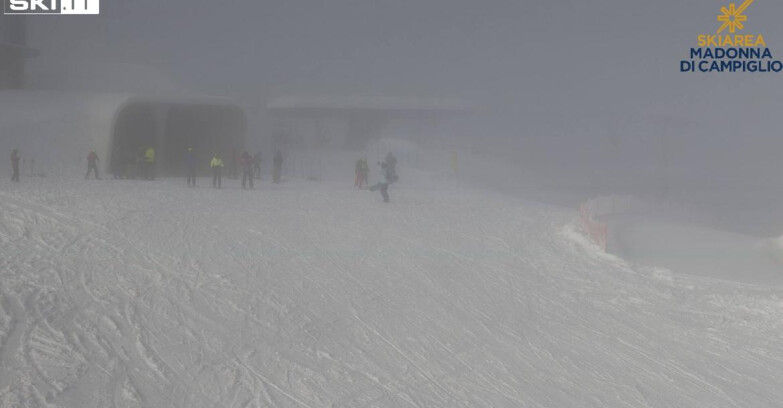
589 94
576 221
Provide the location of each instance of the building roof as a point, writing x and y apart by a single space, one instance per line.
347 105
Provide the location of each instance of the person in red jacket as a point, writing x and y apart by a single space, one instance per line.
15 164
92 164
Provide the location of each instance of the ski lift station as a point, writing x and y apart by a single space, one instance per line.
60 127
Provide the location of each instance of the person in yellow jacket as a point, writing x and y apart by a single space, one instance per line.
217 167
149 163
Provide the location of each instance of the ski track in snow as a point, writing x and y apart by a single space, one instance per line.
151 294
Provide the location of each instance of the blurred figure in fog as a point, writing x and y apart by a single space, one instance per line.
217 168
391 161
384 182
391 167
277 164
190 166
92 165
149 164
246 162
362 173
15 165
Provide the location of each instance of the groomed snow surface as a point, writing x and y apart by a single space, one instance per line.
312 294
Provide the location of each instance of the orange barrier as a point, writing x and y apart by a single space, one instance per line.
597 212
596 231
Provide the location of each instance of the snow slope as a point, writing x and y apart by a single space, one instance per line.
150 294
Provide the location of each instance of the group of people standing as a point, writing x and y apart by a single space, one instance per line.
144 161
250 165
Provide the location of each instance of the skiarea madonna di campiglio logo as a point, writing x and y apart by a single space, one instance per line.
730 49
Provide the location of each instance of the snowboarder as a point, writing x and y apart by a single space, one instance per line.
217 167
391 164
257 159
149 163
383 184
92 165
362 173
277 163
246 162
190 166
15 165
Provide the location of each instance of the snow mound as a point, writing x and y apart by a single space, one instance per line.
698 250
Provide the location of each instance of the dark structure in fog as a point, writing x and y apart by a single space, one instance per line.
172 126
322 121
13 51
58 123
58 129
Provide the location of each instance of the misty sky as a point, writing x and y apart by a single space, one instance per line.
588 92
553 55
582 70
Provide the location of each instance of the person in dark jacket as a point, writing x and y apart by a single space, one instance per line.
277 164
383 183
15 165
92 165
246 163
391 161
190 166
391 164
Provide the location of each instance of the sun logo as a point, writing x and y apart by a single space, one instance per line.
732 17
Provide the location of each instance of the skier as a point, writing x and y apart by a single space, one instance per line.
15 164
246 162
217 166
277 163
190 164
149 163
391 163
92 165
383 184
362 172
257 164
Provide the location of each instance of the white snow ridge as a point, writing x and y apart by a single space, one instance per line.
151 294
